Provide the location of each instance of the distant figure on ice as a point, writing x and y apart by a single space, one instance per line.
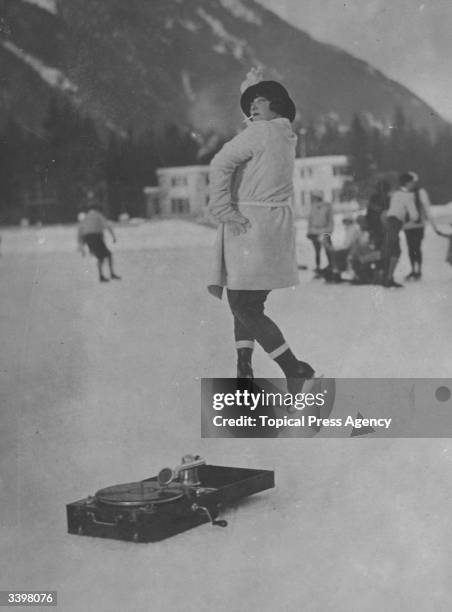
91 233
340 255
401 209
251 190
365 259
378 204
320 227
449 248
414 230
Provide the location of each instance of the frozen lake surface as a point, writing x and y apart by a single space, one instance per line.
99 385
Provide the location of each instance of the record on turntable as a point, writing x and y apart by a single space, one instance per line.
175 500
138 494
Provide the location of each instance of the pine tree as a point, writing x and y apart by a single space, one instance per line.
74 156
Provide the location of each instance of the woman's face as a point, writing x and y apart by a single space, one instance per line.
260 110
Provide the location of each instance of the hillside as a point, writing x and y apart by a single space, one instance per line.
143 63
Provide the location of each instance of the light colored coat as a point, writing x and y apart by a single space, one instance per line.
252 176
402 206
423 211
321 219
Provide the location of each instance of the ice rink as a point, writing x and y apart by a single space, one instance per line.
100 384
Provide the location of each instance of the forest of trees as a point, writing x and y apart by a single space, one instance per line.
377 153
45 177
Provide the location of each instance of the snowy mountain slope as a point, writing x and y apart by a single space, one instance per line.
142 64
52 76
47 5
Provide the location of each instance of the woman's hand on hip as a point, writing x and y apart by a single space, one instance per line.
238 226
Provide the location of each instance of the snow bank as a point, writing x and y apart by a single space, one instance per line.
442 214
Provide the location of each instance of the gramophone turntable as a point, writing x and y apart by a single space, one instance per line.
175 500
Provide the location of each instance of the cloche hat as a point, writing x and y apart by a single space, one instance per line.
270 90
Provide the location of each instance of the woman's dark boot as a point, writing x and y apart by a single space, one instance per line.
296 372
244 367
296 380
388 280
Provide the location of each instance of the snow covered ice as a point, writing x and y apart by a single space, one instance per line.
100 385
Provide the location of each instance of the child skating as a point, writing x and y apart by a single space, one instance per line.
91 233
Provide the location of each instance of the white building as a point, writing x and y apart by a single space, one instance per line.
152 195
184 190
326 173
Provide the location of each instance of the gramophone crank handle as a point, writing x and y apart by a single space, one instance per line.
218 523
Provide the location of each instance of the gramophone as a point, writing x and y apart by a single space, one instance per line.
175 500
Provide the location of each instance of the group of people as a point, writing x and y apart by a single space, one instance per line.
355 250
371 246
407 209
251 188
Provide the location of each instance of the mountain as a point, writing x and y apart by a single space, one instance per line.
143 63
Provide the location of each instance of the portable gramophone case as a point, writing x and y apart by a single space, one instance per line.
164 505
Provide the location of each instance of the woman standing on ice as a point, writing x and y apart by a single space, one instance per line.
401 209
251 185
415 230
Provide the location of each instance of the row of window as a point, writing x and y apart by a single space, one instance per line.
304 172
306 196
180 206
342 171
309 171
182 181
179 181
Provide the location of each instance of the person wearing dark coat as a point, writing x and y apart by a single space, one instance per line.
378 204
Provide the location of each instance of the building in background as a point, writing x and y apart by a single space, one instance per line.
184 190
152 201
326 173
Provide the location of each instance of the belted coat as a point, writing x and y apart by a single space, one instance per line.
252 177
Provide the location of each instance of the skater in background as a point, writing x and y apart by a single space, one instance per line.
365 259
415 230
401 209
340 254
91 233
378 204
320 227
251 189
